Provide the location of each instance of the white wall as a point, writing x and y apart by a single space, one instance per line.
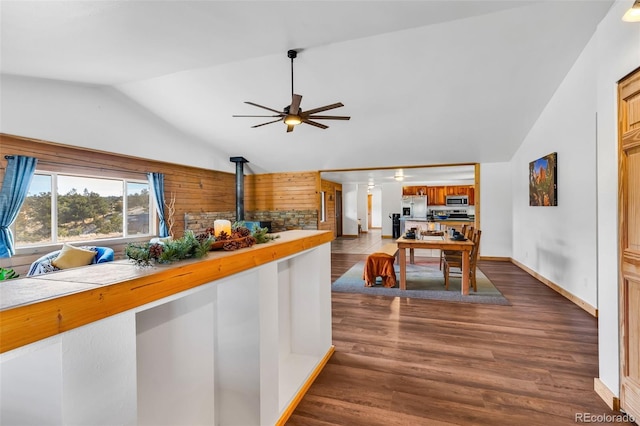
100 118
575 244
495 204
618 53
350 209
560 242
376 207
362 206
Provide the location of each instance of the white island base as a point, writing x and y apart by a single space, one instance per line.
240 350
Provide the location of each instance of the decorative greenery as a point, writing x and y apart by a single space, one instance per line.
187 247
261 235
193 246
7 274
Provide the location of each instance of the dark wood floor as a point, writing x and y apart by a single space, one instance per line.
402 361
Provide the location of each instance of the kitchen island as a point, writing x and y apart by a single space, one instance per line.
233 338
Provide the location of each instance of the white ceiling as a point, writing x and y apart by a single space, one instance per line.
425 82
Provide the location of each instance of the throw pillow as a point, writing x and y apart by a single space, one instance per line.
72 257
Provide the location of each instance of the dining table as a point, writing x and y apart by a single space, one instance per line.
439 242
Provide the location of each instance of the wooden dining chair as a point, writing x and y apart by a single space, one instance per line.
455 261
467 231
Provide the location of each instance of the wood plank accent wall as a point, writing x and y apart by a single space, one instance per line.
330 189
282 191
196 190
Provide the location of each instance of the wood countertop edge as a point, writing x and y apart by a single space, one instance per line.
28 323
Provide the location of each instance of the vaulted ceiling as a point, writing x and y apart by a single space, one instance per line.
425 82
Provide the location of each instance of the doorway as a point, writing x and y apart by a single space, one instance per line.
369 209
338 213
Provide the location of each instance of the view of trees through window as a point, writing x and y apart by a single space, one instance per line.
61 208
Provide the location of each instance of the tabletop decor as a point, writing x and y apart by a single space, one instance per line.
239 236
187 247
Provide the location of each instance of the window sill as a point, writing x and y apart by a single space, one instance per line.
48 248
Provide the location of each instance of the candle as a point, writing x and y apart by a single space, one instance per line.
221 225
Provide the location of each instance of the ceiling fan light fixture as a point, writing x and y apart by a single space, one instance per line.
633 14
292 120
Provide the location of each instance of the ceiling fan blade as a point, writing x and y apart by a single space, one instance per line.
290 128
323 108
313 123
268 122
329 117
264 107
279 115
295 104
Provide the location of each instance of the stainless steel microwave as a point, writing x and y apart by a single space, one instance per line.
457 200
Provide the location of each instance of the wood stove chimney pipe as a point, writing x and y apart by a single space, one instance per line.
239 186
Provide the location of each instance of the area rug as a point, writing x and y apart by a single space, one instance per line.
424 281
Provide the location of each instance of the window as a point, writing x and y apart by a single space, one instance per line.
64 208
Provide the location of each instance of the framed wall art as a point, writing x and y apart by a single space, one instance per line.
543 181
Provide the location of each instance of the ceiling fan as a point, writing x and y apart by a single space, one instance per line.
293 115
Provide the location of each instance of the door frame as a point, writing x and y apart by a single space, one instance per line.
338 212
628 271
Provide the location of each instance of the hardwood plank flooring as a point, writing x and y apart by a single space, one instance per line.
402 361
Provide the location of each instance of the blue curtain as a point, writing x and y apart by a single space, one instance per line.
156 182
17 179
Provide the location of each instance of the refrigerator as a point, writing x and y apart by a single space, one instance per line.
414 206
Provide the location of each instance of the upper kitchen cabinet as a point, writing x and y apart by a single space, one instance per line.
409 190
414 190
437 195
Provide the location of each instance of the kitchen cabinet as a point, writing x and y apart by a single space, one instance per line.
409 190
414 190
437 195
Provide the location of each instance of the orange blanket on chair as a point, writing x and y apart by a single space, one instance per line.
379 265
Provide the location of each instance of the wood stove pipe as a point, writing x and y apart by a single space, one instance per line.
239 186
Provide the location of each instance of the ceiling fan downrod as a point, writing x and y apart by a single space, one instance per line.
292 54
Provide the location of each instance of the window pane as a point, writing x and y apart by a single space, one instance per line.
33 225
137 208
89 208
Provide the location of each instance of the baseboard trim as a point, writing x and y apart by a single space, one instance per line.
303 390
605 393
350 235
496 258
572 297
388 236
